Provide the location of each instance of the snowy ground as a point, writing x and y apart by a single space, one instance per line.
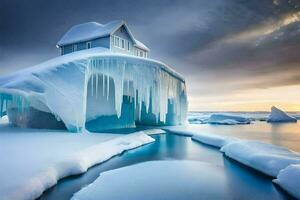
33 160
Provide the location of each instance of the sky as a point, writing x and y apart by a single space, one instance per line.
236 55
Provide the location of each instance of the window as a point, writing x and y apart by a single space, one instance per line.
117 42
88 45
141 54
74 47
128 46
123 44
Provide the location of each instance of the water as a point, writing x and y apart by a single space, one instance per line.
201 117
282 134
241 182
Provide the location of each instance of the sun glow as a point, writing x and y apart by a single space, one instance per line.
287 98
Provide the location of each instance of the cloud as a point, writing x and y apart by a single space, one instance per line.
264 29
221 47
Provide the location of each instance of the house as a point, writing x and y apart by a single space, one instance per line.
114 36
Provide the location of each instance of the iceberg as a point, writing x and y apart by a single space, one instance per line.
278 116
94 89
222 119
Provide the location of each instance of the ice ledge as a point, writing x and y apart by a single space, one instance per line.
86 54
78 163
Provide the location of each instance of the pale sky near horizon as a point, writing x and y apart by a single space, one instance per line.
236 55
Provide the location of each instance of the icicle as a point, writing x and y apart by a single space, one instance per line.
103 84
97 77
107 85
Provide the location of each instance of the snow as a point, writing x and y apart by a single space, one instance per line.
278 115
213 140
4 120
141 45
155 131
289 180
92 30
33 161
227 119
70 88
88 31
159 180
266 158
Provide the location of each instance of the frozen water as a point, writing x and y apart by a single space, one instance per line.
159 180
213 140
272 160
33 161
278 115
227 119
94 89
266 158
289 180
202 117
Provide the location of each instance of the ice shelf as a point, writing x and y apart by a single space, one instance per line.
94 89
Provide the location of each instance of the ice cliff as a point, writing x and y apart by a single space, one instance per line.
94 89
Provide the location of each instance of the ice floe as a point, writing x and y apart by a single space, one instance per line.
227 119
289 180
266 158
159 180
32 162
272 160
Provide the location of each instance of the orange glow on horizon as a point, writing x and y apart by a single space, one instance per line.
286 98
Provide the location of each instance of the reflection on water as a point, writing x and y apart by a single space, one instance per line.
241 182
283 134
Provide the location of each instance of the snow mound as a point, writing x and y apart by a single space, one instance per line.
266 158
159 180
289 180
4 120
213 140
222 119
278 116
76 163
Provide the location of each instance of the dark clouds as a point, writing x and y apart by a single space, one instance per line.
218 45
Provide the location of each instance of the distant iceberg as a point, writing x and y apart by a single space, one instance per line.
94 89
278 116
227 119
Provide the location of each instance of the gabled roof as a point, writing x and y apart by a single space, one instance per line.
93 30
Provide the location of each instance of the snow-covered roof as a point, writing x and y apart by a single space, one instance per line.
93 30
